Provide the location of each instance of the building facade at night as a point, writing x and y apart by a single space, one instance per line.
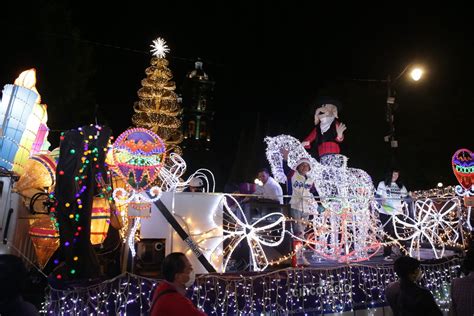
198 113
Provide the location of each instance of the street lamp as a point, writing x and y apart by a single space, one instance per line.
415 74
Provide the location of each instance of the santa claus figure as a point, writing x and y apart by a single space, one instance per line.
328 132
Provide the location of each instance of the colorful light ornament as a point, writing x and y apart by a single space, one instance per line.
138 159
352 232
463 168
138 156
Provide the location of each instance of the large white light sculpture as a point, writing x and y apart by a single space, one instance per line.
346 230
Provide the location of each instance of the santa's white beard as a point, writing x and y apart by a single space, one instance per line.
326 123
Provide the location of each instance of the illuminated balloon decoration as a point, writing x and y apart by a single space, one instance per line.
23 129
45 238
39 175
463 168
15 109
36 132
138 157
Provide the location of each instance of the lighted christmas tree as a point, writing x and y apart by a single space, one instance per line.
158 108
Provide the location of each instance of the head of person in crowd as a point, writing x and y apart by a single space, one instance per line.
408 269
263 175
393 176
177 269
303 166
467 265
196 185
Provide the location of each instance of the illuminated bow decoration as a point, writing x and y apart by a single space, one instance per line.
237 230
430 224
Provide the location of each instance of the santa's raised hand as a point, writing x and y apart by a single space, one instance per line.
340 128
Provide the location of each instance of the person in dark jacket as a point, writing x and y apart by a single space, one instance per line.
405 296
462 289
13 277
169 297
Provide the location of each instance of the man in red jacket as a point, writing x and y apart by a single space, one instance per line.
169 297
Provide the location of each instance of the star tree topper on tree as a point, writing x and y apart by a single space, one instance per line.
159 48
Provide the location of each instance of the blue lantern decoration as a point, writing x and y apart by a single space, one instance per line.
15 108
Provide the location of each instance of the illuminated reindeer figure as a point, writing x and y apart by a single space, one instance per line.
346 230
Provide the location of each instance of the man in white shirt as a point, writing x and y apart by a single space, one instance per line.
268 197
270 189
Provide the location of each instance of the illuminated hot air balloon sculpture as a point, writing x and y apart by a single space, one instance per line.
138 156
463 168
23 129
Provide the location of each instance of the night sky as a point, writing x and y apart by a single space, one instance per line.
269 62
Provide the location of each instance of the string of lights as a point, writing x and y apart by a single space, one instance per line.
321 290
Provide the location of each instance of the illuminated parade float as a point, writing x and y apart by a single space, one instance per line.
73 197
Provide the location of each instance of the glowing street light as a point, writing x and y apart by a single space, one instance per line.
416 73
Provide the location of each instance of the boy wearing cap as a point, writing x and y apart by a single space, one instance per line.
301 187
328 132
195 185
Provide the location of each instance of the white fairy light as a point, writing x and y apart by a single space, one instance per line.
313 290
122 196
159 48
131 236
445 192
466 193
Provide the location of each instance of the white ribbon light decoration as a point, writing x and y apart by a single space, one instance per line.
239 229
437 227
